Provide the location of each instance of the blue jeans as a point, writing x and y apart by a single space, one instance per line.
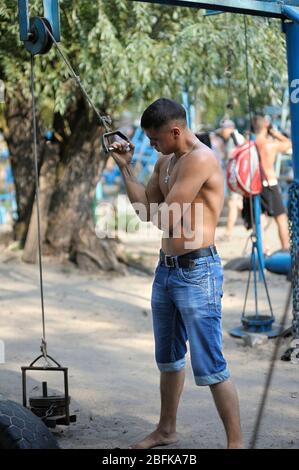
186 305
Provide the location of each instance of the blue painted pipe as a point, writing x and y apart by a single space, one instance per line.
51 12
292 36
186 104
23 19
290 13
258 228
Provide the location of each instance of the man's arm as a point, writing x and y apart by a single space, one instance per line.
193 173
137 193
145 196
282 143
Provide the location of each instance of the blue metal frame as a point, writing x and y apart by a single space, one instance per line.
292 35
50 12
23 19
258 229
272 8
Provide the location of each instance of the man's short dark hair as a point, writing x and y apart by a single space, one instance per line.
162 112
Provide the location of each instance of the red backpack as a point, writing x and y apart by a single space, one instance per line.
243 171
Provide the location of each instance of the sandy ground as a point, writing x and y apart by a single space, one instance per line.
100 328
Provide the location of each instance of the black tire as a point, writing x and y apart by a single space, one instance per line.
21 429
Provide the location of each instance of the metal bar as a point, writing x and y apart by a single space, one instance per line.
186 104
66 396
254 258
50 369
45 389
258 230
292 34
247 287
23 19
272 8
213 12
291 13
24 386
51 13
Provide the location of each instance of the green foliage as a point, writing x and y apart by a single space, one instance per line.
129 53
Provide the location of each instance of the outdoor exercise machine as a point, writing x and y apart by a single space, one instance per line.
40 33
21 427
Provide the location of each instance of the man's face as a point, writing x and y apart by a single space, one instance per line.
164 140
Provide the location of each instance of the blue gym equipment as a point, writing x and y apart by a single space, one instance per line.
257 323
38 35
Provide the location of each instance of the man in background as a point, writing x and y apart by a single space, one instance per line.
270 143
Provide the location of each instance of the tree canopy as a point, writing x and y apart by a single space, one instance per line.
129 53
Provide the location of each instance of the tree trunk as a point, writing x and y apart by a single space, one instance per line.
47 180
70 226
20 142
70 170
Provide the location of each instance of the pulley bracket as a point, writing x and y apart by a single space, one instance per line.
34 31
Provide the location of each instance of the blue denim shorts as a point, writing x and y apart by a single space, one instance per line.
186 306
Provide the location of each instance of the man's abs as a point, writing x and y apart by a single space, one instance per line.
188 237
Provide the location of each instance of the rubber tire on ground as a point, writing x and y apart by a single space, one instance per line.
21 429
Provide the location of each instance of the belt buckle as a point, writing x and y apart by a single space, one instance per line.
171 265
213 250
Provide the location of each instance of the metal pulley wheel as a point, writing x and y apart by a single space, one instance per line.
39 42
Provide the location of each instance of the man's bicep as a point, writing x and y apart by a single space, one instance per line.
152 190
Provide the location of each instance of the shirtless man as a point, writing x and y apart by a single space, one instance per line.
270 143
187 289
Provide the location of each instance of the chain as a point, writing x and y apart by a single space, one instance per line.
294 237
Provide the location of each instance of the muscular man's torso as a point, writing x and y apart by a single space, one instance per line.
267 154
199 222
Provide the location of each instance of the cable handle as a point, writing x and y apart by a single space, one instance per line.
106 143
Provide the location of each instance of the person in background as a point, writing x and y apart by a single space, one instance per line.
270 143
224 141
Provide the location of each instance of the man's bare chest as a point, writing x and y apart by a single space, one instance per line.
168 175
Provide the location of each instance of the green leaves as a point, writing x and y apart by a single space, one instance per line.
129 53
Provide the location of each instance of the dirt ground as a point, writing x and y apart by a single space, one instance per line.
99 326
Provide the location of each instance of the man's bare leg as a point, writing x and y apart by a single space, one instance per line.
227 403
264 225
233 210
283 231
171 387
